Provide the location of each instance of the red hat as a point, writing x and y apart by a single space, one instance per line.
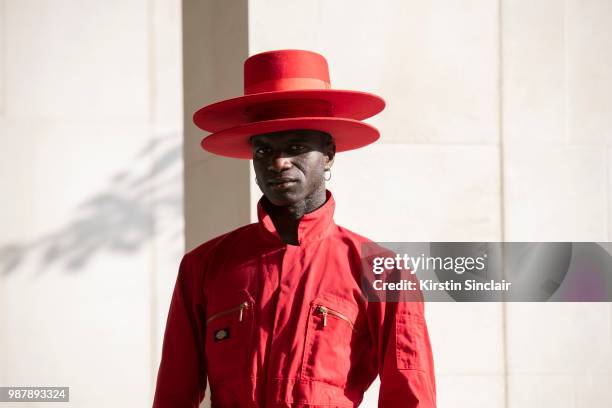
284 90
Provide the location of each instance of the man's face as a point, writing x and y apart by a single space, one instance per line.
290 165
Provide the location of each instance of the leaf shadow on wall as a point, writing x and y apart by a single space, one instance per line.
120 219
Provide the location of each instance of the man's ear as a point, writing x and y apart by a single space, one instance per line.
330 154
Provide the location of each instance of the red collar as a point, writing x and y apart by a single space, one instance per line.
313 225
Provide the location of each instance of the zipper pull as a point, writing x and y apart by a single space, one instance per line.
323 311
243 306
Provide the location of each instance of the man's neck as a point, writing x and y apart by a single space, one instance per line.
286 219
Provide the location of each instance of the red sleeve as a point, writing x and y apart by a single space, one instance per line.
181 379
405 361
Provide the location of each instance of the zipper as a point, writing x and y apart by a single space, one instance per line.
244 305
325 311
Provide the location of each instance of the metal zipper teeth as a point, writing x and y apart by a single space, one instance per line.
324 310
241 307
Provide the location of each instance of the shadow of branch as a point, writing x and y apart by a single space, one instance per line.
119 219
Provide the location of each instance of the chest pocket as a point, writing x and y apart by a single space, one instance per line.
229 333
329 341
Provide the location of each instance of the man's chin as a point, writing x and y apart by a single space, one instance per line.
283 198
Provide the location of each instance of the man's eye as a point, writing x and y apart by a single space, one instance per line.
297 148
261 150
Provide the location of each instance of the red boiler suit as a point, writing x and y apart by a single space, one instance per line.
278 325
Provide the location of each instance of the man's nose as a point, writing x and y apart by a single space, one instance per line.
280 162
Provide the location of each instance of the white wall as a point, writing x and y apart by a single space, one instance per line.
498 127
91 181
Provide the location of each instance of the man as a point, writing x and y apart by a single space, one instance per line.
272 313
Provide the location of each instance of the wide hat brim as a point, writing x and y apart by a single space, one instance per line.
233 112
348 134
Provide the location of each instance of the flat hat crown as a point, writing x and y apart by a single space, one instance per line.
284 70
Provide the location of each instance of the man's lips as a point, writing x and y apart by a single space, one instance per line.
281 182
